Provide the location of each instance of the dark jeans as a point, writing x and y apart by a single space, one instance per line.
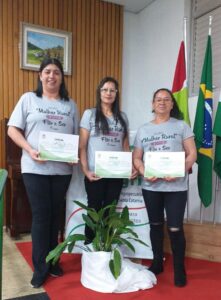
100 194
174 204
46 195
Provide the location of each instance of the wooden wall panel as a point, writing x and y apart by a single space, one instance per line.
203 241
96 28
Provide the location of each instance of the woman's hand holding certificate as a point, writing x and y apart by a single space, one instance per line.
167 165
58 147
113 164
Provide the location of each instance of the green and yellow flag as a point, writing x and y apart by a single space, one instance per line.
217 132
203 129
179 89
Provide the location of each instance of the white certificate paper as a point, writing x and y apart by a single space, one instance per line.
58 146
113 164
164 164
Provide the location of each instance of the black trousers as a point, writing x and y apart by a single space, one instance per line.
100 194
46 194
174 203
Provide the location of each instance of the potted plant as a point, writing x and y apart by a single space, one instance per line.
112 229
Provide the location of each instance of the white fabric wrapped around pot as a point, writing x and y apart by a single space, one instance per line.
96 275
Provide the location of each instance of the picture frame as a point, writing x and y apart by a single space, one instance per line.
38 42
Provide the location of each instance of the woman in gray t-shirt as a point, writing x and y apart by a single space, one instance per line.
103 128
166 133
48 108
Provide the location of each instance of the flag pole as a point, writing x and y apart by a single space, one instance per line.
185 53
201 213
185 44
216 184
216 191
201 207
210 24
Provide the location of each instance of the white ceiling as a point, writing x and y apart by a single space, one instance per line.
134 6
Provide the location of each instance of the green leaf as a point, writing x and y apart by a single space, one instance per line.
94 216
115 264
127 230
139 241
125 214
60 248
89 222
84 248
112 208
82 205
97 243
111 212
111 266
122 241
115 223
73 239
56 253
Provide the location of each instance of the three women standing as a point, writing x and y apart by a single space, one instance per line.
103 128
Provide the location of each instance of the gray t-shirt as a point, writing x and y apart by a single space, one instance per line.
102 142
167 136
33 114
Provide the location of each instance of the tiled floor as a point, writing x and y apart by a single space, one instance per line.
16 274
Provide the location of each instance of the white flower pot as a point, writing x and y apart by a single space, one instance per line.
96 275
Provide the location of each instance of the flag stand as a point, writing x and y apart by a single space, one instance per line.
215 199
201 213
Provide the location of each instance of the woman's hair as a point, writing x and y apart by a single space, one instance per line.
62 91
100 119
175 111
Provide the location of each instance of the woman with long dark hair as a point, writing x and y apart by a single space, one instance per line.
166 132
103 128
48 108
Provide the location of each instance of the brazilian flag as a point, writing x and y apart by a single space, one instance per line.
217 132
203 129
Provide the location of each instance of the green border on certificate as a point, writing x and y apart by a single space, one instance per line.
164 164
58 146
113 164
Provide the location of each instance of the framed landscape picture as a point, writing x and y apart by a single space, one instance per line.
38 43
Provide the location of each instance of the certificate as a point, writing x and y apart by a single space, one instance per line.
164 164
58 146
113 164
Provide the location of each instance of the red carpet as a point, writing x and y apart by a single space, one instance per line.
204 280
